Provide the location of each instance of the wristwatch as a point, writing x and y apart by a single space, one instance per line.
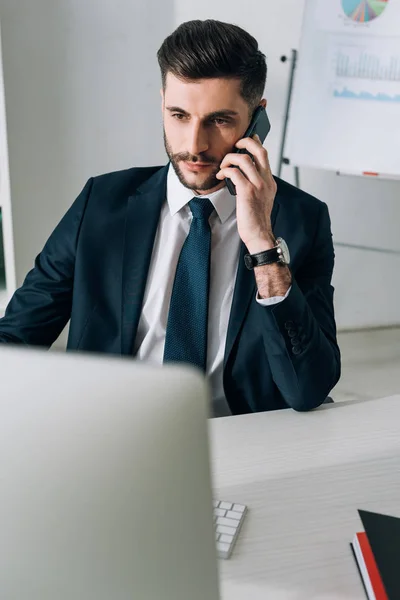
278 254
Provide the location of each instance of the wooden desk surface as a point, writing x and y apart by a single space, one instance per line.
303 477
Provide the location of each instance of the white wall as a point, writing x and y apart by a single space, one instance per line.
82 98
363 212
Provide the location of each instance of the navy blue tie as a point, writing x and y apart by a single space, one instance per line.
186 337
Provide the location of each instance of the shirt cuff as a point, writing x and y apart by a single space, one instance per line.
273 300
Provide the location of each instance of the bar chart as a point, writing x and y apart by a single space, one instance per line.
364 65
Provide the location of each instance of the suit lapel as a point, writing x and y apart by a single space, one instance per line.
143 214
245 290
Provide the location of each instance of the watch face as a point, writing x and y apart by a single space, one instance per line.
285 254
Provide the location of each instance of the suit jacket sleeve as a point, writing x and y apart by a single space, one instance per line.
40 309
300 332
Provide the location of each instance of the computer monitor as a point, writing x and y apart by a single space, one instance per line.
105 480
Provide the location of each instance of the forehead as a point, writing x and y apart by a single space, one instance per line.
204 96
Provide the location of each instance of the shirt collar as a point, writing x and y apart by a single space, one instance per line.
178 196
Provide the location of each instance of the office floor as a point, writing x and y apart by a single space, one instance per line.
370 364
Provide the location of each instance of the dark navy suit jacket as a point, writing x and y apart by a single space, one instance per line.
93 271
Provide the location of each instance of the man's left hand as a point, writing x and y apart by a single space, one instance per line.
255 193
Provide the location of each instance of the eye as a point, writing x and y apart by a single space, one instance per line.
178 116
218 121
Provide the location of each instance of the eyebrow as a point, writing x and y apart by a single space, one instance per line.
225 112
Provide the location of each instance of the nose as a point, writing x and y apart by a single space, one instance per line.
198 139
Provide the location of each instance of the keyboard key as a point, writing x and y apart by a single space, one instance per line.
227 530
225 521
223 549
225 505
239 508
219 512
233 515
226 539
216 503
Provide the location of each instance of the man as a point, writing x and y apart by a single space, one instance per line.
150 262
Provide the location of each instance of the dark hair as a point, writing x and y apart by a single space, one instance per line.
208 49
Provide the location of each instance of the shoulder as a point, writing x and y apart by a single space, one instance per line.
123 182
297 200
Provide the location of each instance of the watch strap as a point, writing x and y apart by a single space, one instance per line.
268 257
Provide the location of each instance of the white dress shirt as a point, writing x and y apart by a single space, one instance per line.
173 228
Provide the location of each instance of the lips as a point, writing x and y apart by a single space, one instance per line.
196 166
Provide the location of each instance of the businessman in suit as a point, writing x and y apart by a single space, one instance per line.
164 264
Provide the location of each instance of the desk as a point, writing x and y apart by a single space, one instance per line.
303 477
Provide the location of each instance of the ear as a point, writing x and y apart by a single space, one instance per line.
162 99
263 103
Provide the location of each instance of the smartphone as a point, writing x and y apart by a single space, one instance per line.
259 125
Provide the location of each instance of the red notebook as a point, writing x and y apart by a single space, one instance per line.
368 568
377 552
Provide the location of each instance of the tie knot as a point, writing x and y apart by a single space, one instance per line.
201 208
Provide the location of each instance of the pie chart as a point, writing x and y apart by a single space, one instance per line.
363 11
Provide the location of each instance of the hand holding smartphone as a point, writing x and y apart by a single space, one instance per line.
259 125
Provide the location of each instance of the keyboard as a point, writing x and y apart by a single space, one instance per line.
228 519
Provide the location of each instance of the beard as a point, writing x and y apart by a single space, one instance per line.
205 183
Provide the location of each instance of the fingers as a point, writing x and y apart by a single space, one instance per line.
237 178
246 165
257 150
